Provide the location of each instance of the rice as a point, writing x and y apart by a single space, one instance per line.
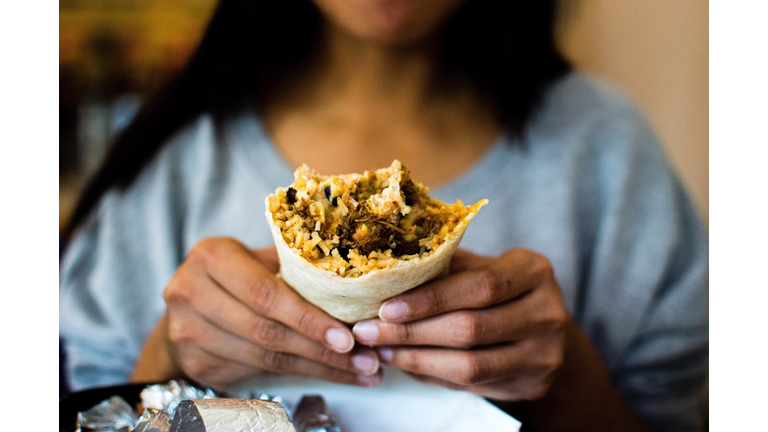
355 224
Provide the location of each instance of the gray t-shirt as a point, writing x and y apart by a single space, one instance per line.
588 187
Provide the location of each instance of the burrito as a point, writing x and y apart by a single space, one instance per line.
230 415
347 243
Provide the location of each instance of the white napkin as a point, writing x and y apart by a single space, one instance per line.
398 404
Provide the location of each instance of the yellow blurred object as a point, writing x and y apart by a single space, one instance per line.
112 55
140 38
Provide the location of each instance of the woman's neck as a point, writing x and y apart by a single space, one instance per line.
363 73
367 77
356 105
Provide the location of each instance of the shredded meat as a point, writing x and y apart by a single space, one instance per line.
366 231
407 248
408 189
434 222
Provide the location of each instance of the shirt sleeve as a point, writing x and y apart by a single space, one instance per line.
113 274
644 299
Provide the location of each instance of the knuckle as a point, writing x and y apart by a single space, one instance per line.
404 333
172 292
269 334
552 321
304 319
178 290
542 267
276 361
409 360
262 294
328 356
557 322
180 332
209 249
203 251
488 286
469 329
436 301
473 371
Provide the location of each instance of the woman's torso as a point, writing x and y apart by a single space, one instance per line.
561 190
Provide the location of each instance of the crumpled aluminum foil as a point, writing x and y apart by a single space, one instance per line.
113 414
167 396
160 402
153 420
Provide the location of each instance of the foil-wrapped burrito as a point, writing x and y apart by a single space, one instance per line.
230 415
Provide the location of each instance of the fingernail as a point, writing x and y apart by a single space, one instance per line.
369 380
385 354
366 363
340 339
393 310
366 331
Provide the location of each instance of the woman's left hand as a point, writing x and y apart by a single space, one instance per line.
494 327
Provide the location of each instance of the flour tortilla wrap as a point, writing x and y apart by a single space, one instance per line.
351 299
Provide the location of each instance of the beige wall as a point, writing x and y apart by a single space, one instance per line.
658 51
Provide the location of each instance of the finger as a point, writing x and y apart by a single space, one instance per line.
212 370
229 314
506 322
196 331
513 389
467 328
218 372
460 367
234 268
497 281
268 258
235 322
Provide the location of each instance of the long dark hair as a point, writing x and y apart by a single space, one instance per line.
506 47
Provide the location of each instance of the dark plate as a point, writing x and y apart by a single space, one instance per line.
71 404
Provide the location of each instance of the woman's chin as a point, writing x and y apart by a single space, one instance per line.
388 22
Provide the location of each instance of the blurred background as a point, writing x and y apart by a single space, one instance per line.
113 54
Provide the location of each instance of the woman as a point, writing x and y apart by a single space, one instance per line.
586 310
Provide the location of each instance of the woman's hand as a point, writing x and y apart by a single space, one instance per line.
230 317
494 327
498 327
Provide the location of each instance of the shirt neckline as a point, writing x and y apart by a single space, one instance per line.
276 167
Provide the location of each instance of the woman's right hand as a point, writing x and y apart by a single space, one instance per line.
229 317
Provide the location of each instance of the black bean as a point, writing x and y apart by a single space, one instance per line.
334 200
327 191
290 196
344 252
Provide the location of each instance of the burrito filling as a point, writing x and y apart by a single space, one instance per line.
353 224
